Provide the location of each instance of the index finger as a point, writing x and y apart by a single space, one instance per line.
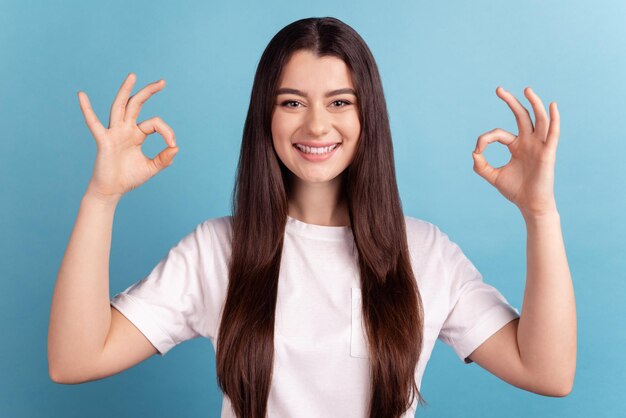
524 124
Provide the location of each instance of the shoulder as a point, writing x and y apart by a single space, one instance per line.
209 233
216 231
420 231
219 225
215 234
427 240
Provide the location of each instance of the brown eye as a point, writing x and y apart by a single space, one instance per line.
287 103
342 101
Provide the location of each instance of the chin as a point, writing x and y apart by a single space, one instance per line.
320 178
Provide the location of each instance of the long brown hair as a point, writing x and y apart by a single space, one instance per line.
392 305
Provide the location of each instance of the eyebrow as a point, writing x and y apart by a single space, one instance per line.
287 90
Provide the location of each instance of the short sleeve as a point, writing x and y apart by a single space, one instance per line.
477 310
167 305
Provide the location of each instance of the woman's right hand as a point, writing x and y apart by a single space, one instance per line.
120 164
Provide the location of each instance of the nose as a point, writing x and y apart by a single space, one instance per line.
317 121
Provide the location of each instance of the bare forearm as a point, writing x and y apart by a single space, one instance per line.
80 314
547 328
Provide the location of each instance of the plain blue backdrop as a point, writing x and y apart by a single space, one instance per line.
440 64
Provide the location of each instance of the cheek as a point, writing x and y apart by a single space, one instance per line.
277 133
356 130
351 125
280 139
280 129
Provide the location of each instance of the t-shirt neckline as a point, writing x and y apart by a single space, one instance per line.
335 233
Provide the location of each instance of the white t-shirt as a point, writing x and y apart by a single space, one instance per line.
321 365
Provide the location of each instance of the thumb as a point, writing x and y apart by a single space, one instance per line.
165 158
483 169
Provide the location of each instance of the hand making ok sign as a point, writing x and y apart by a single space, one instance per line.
120 164
527 179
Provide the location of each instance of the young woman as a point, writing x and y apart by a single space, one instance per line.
321 297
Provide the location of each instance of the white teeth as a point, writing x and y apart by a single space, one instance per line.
316 150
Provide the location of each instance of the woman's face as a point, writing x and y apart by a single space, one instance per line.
315 108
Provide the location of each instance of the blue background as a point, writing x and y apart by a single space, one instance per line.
440 63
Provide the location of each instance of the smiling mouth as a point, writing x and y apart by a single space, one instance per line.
316 150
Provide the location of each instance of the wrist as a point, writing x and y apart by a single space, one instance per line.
96 197
550 216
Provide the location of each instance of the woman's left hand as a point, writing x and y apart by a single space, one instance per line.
527 179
